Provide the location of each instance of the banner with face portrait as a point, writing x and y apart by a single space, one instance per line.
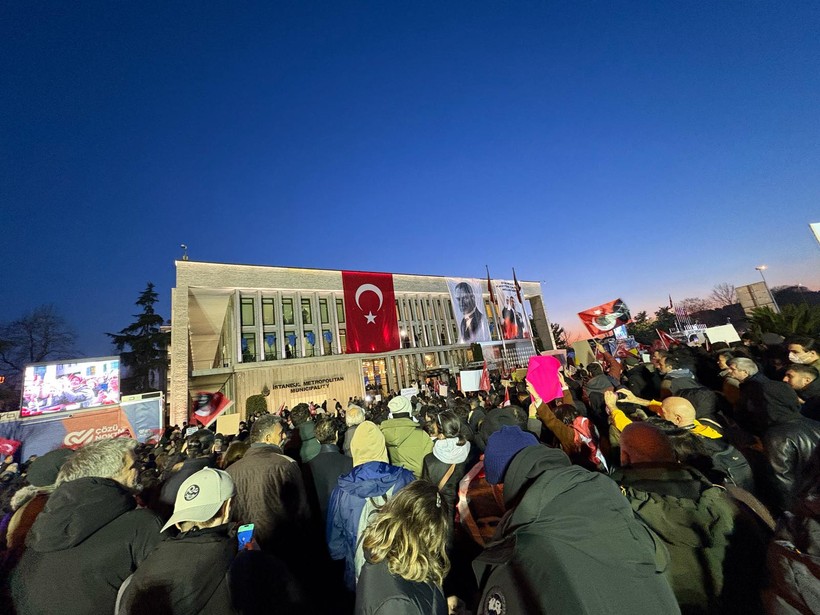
468 308
514 321
605 317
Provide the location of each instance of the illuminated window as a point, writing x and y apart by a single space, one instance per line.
247 311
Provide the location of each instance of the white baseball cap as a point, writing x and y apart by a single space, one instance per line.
201 496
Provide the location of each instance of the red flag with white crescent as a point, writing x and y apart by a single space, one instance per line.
605 317
370 312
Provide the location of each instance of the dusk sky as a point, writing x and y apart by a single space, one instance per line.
610 149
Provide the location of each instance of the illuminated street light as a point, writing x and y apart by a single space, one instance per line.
761 269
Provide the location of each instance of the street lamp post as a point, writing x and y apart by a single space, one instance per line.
762 268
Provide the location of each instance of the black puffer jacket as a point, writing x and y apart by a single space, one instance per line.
184 575
88 540
789 446
378 591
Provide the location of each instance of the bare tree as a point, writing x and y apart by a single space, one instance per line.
41 335
696 304
724 294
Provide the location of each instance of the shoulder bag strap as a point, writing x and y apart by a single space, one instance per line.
446 476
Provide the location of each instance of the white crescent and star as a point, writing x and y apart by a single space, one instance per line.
371 288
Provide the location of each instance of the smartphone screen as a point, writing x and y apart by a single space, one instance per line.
244 535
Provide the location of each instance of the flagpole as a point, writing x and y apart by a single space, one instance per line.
505 356
526 322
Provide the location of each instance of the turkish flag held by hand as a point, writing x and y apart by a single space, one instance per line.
370 312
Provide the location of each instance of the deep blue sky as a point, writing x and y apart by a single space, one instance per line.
608 148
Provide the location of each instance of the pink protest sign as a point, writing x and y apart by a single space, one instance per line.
542 373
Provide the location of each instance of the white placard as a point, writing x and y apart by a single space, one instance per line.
470 380
409 392
723 333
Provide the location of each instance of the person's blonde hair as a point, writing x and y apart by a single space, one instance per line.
410 532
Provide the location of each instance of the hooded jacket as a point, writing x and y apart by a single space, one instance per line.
369 480
446 452
569 544
89 538
184 575
407 443
310 445
693 518
764 402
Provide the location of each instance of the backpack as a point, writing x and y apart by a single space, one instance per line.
731 462
370 508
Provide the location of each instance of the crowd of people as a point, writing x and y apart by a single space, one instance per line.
689 483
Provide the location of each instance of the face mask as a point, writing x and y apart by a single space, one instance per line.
795 358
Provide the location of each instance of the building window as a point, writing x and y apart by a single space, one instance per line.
287 311
268 313
291 351
327 342
450 307
247 311
310 344
307 312
248 347
343 340
269 346
340 310
324 315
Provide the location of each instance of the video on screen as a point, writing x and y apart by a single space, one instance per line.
74 385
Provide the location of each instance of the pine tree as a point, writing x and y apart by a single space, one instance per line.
145 358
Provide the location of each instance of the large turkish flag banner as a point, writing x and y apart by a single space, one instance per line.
370 312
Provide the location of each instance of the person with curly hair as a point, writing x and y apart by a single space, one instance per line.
405 555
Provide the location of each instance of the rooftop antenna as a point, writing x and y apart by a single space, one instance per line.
185 251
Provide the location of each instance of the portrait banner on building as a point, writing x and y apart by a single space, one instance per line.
605 317
370 312
468 308
514 323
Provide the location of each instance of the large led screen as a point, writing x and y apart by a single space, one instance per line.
70 385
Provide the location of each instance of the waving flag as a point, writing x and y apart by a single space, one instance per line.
605 317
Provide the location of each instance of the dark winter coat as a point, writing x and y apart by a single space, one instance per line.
88 540
310 445
325 470
184 575
763 403
810 394
571 545
794 564
446 453
693 518
270 493
789 446
381 593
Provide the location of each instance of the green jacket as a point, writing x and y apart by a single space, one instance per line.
693 518
569 545
310 445
407 444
